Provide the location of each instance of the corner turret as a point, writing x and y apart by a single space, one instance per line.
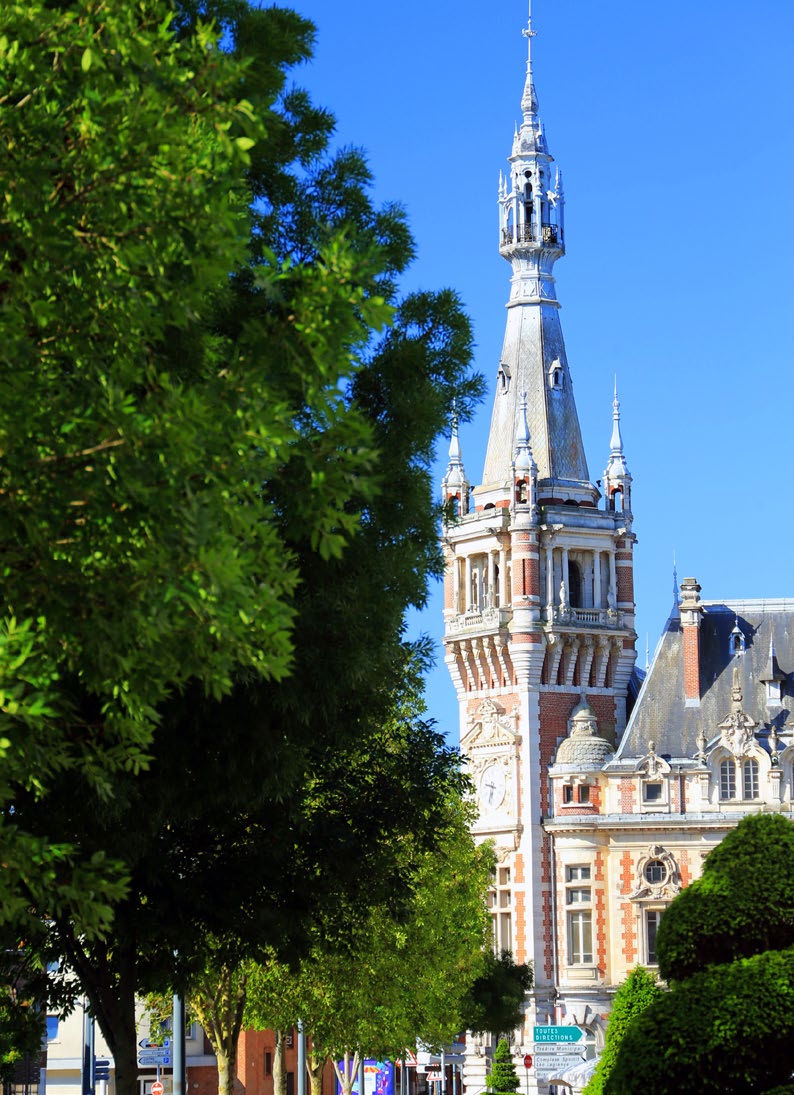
617 479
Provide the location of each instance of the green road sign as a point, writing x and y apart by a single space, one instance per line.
558 1034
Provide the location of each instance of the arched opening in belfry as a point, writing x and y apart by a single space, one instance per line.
574 585
528 199
616 500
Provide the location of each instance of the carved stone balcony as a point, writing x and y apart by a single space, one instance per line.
584 617
479 619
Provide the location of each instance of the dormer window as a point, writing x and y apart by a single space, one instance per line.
556 376
503 378
737 640
773 694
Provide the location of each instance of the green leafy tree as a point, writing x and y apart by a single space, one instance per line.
355 1000
638 991
495 1001
727 1023
140 554
270 798
354 997
502 1079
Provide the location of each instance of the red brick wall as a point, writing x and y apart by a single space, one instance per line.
600 914
628 795
624 576
519 910
251 1076
691 662
203 1080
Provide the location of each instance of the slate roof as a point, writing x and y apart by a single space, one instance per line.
661 714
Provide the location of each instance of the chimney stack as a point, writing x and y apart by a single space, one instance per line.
691 613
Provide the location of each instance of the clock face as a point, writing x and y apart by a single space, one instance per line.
492 787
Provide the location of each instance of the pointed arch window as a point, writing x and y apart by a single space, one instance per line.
556 376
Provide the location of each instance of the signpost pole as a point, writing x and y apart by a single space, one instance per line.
301 1059
178 1023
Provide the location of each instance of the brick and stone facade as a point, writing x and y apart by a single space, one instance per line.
601 788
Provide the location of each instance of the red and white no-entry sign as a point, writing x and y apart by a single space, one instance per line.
157 1088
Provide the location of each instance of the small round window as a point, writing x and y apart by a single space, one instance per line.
655 872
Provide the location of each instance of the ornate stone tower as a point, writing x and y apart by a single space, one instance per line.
539 600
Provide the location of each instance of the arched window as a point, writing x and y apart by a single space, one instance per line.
509 235
750 779
727 780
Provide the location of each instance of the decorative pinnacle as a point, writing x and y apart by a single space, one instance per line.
616 444
454 441
523 459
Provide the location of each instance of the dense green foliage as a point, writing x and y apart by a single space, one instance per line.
638 991
230 511
495 1001
358 997
743 903
503 1078
139 551
727 1023
727 1030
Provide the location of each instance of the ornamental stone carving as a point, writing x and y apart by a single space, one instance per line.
658 877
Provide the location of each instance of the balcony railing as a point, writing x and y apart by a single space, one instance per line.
485 619
523 233
585 617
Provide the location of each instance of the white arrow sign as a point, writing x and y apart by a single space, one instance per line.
547 1066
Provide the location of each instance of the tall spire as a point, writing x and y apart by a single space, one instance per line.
533 359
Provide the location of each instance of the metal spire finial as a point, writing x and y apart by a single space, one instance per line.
529 100
675 584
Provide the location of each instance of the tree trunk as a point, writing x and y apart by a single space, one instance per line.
109 982
315 1066
346 1074
226 1070
218 1002
279 1064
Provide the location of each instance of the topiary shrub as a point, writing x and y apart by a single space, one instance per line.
502 1079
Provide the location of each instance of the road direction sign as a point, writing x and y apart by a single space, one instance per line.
553 1065
150 1058
558 1033
544 1048
147 1043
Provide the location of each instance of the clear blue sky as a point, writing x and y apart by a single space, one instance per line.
672 124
